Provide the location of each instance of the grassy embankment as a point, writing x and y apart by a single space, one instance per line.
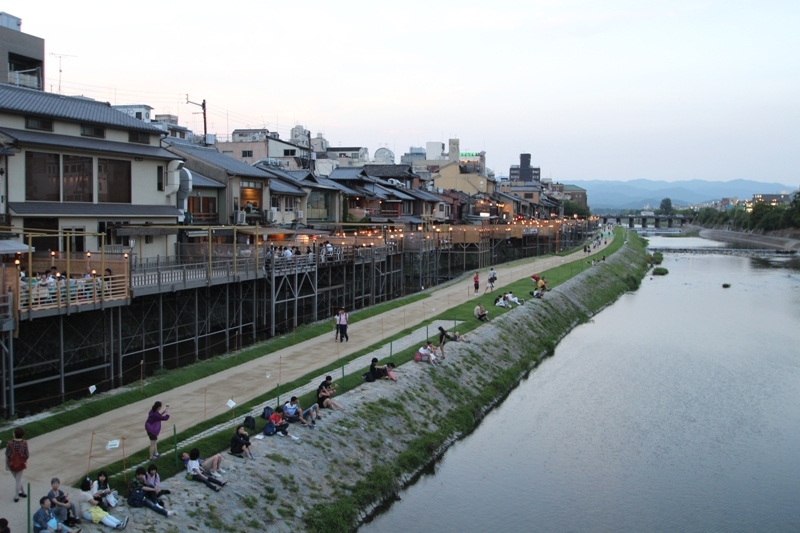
541 338
170 466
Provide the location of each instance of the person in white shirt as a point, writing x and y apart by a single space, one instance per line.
429 351
287 253
194 469
342 319
512 298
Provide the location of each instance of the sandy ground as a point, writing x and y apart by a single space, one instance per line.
66 453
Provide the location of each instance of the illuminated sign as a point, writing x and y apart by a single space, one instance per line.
469 154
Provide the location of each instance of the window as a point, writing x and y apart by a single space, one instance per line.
355 155
139 115
289 152
42 124
108 227
76 241
276 202
97 132
138 137
247 153
160 178
42 177
441 208
148 239
528 195
77 179
114 181
408 206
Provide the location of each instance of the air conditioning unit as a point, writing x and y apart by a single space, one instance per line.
241 218
299 214
272 215
254 137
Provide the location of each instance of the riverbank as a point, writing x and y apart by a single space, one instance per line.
355 459
769 241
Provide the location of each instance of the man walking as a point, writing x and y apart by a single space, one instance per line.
343 318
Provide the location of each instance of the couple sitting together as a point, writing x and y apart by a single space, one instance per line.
506 300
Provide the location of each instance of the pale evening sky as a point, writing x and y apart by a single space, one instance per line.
610 89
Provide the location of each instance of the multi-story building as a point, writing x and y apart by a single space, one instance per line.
524 171
80 174
21 55
253 145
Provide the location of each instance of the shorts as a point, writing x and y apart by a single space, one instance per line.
152 436
477 286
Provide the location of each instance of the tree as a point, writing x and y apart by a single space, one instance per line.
571 208
666 206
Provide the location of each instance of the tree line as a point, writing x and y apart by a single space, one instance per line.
762 217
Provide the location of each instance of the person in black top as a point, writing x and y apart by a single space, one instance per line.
240 444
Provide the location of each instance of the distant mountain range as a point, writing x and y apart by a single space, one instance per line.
636 194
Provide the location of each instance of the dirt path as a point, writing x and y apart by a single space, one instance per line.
65 453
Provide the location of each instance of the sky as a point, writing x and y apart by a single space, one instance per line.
613 90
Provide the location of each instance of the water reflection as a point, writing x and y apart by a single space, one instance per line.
676 409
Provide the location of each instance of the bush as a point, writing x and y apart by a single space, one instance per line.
660 271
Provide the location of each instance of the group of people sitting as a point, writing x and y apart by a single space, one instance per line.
286 252
507 299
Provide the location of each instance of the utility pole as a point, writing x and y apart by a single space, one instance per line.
60 57
205 124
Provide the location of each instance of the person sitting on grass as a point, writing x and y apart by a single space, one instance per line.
382 371
90 508
512 298
197 473
542 285
500 301
292 412
324 395
45 521
143 495
481 314
240 444
537 294
211 466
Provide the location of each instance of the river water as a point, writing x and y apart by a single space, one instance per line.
675 409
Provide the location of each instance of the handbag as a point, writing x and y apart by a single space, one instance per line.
110 499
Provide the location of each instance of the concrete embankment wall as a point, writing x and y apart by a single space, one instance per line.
772 241
356 459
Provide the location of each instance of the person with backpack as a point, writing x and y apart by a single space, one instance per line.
143 495
491 282
17 455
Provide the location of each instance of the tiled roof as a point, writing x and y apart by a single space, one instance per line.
573 188
389 171
39 138
19 100
198 180
278 186
423 195
78 209
347 190
347 173
214 157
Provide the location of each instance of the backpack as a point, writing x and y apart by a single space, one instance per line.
250 423
269 429
368 377
136 498
267 412
16 462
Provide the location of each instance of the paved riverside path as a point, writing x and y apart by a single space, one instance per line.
65 453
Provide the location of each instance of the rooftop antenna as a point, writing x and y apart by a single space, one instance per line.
60 57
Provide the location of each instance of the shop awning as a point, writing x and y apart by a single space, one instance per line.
8 246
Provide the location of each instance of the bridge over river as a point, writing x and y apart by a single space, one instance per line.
643 220
751 252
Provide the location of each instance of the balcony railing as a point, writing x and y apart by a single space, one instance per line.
35 295
205 218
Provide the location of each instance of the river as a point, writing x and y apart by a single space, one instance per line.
675 409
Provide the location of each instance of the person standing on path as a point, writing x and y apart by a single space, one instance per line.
17 461
153 427
343 319
476 283
490 283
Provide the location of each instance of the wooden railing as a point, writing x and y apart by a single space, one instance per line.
205 218
35 295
